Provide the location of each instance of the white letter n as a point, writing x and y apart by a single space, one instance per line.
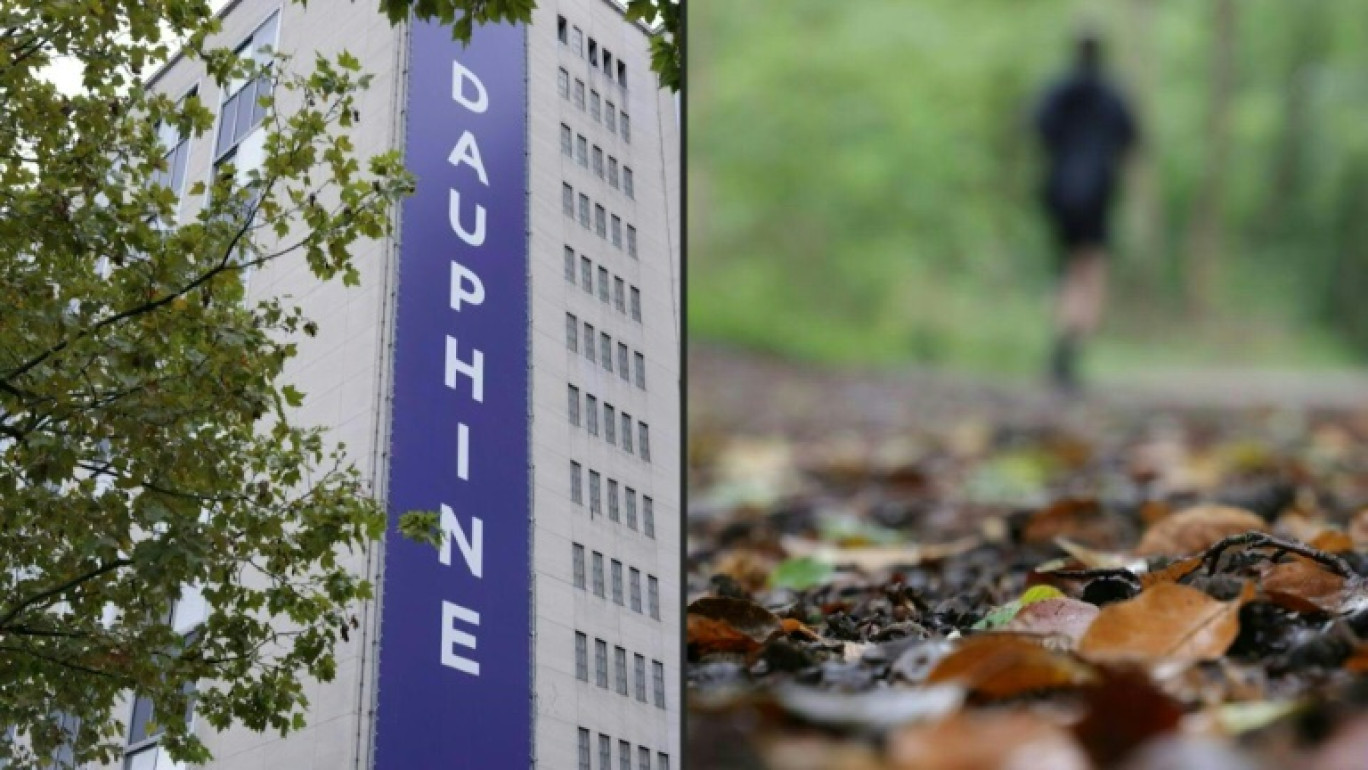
472 550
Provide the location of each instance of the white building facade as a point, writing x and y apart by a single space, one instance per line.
590 538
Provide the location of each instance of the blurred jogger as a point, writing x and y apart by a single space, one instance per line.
1086 128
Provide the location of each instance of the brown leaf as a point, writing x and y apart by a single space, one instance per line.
983 741
1333 541
1079 519
1148 711
1172 573
1055 617
1302 585
745 616
705 636
1357 662
1195 529
1165 622
1358 529
1002 665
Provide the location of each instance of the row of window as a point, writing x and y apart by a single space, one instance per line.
601 218
615 120
629 498
603 353
576 146
633 582
620 667
605 752
573 38
586 281
589 420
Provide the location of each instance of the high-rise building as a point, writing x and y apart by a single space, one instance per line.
511 359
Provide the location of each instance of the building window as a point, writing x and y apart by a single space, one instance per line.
636 304
662 761
606 351
586 274
584 211
640 361
593 52
591 407
584 749
576 489
568 201
643 754
574 395
598 161
603 284
570 265
598 574
582 151
563 83
610 114
627 433
577 41
601 663
612 498
622 73
623 370
241 110
143 751
631 241
648 516
624 126
177 150
589 341
612 172
595 492
627 187
619 286
605 751
561 33
565 140
610 435
600 221
631 508
607 64
644 441
658 680
624 754
620 667
581 657
571 332
617 231
577 556
634 588
579 103
653 596
617 582
595 106
640 677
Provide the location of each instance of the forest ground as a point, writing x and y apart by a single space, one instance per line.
914 569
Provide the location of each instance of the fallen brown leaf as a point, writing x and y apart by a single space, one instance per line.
986 741
1165 622
1333 541
705 636
745 616
1174 572
1358 529
1195 529
1079 519
1302 585
1149 712
1001 665
1055 617
1357 662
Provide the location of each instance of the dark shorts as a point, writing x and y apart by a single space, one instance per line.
1079 223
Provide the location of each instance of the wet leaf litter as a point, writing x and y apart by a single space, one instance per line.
1116 590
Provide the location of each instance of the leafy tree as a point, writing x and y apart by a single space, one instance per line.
667 58
146 450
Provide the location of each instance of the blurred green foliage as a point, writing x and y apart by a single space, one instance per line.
863 180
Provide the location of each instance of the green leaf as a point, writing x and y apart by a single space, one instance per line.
800 573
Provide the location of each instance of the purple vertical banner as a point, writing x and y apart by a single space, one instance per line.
454 682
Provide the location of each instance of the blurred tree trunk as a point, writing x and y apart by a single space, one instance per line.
1144 201
1206 229
1285 195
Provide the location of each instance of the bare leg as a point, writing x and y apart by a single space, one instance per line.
1078 311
